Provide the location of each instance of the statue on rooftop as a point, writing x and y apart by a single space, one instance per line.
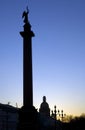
44 107
25 16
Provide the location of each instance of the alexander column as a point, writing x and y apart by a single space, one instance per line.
27 35
27 114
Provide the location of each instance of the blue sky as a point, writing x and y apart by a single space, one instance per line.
58 53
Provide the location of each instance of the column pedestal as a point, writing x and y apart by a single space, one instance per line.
28 119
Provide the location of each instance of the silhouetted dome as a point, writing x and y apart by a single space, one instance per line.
44 107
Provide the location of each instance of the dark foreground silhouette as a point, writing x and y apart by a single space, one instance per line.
77 123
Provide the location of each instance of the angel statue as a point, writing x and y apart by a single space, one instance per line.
25 16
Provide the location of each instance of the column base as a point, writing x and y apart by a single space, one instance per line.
28 119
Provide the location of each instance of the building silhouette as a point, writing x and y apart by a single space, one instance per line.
8 117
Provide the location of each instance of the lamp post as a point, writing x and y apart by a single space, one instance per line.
55 115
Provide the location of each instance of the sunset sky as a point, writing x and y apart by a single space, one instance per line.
58 53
